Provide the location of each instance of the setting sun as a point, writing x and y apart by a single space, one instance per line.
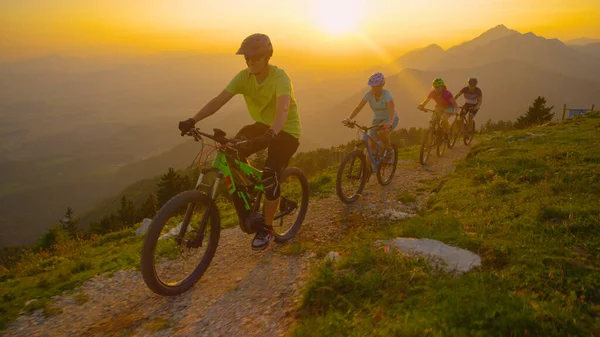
337 17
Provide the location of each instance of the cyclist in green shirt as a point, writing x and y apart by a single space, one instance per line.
271 102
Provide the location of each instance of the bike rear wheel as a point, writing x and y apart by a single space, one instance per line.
385 171
468 138
293 204
173 262
426 146
351 177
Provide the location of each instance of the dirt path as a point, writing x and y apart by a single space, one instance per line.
243 293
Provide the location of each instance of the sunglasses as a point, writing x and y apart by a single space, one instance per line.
252 59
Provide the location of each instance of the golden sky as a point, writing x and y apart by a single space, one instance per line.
348 32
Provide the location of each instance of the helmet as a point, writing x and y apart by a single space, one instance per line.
438 82
376 79
256 45
473 81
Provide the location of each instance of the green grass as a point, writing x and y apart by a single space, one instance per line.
81 298
529 208
406 197
43 275
324 184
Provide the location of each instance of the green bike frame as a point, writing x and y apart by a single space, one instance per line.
224 163
243 183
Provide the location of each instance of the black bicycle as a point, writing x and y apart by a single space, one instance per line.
183 236
435 137
459 128
356 168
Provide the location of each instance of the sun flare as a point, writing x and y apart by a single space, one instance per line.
338 17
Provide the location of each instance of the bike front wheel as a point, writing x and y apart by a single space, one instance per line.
351 177
385 171
426 146
454 132
442 142
181 243
293 204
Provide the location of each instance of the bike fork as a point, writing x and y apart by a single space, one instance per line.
188 215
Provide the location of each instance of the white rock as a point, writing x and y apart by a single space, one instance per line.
454 259
144 227
395 215
333 256
30 302
174 232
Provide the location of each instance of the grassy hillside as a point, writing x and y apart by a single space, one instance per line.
43 275
527 202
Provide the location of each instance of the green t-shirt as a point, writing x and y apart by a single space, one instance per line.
261 98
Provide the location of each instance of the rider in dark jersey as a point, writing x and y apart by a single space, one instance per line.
473 100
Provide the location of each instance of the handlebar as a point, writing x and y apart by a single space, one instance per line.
425 109
352 125
430 110
218 136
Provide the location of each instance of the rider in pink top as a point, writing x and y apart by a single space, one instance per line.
442 99
445 102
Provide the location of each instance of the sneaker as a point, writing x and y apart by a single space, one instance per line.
388 157
262 239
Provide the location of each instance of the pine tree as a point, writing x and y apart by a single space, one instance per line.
95 228
537 114
167 187
487 126
148 208
126 212
69 222
170 185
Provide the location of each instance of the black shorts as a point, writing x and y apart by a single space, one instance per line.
280 150
470 108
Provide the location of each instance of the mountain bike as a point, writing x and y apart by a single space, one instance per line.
459 128
434 138
183 236
354 172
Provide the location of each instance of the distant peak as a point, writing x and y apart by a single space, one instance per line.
500 29
433 46
497 32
